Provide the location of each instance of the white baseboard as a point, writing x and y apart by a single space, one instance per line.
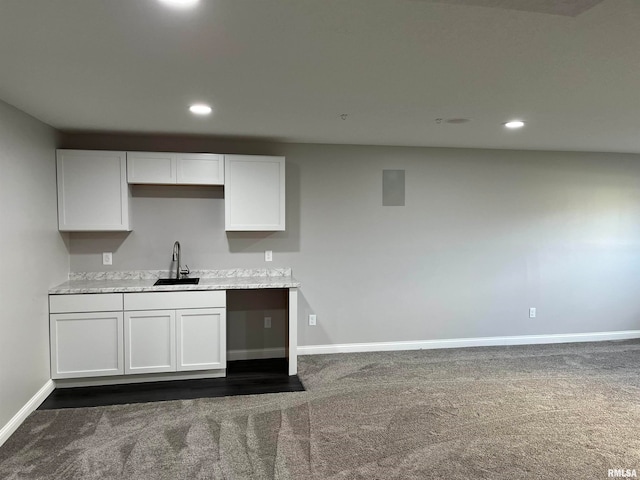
467 342
256 354
33 403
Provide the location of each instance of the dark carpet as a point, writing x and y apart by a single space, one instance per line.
529 412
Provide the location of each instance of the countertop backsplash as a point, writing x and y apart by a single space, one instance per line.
155 274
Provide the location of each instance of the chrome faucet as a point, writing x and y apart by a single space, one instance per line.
180 272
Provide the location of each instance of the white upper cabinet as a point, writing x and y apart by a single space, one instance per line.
93 194
254 193
93 191
200 169
175 168
151 167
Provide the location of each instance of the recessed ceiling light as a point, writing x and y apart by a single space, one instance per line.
180 3
200 109
514 124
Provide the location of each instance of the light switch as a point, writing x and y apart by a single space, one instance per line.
107 258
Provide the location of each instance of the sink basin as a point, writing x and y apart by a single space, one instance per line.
176 281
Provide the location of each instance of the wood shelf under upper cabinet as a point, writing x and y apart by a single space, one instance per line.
165 168
93 194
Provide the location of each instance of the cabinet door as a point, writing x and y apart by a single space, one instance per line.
200 169
93 194
151 167
202 339
254 196
86 344
150 341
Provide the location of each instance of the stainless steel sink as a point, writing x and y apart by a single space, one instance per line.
176 281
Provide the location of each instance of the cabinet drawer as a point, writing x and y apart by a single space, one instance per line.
87 302
175 300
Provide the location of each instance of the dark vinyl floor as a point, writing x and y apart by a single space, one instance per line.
245 377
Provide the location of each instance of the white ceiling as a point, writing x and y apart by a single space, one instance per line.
287 69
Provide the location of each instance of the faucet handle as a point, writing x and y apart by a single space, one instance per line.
185 271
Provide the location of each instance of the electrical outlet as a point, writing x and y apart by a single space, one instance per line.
107 258
532 312
267 322
268 255
312 319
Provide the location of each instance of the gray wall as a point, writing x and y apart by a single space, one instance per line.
34 256
484 235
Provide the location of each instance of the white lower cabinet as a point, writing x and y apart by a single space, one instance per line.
192 322
150 341
182 340
86 344
201 339
152 332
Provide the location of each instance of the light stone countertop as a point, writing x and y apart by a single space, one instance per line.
127 282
